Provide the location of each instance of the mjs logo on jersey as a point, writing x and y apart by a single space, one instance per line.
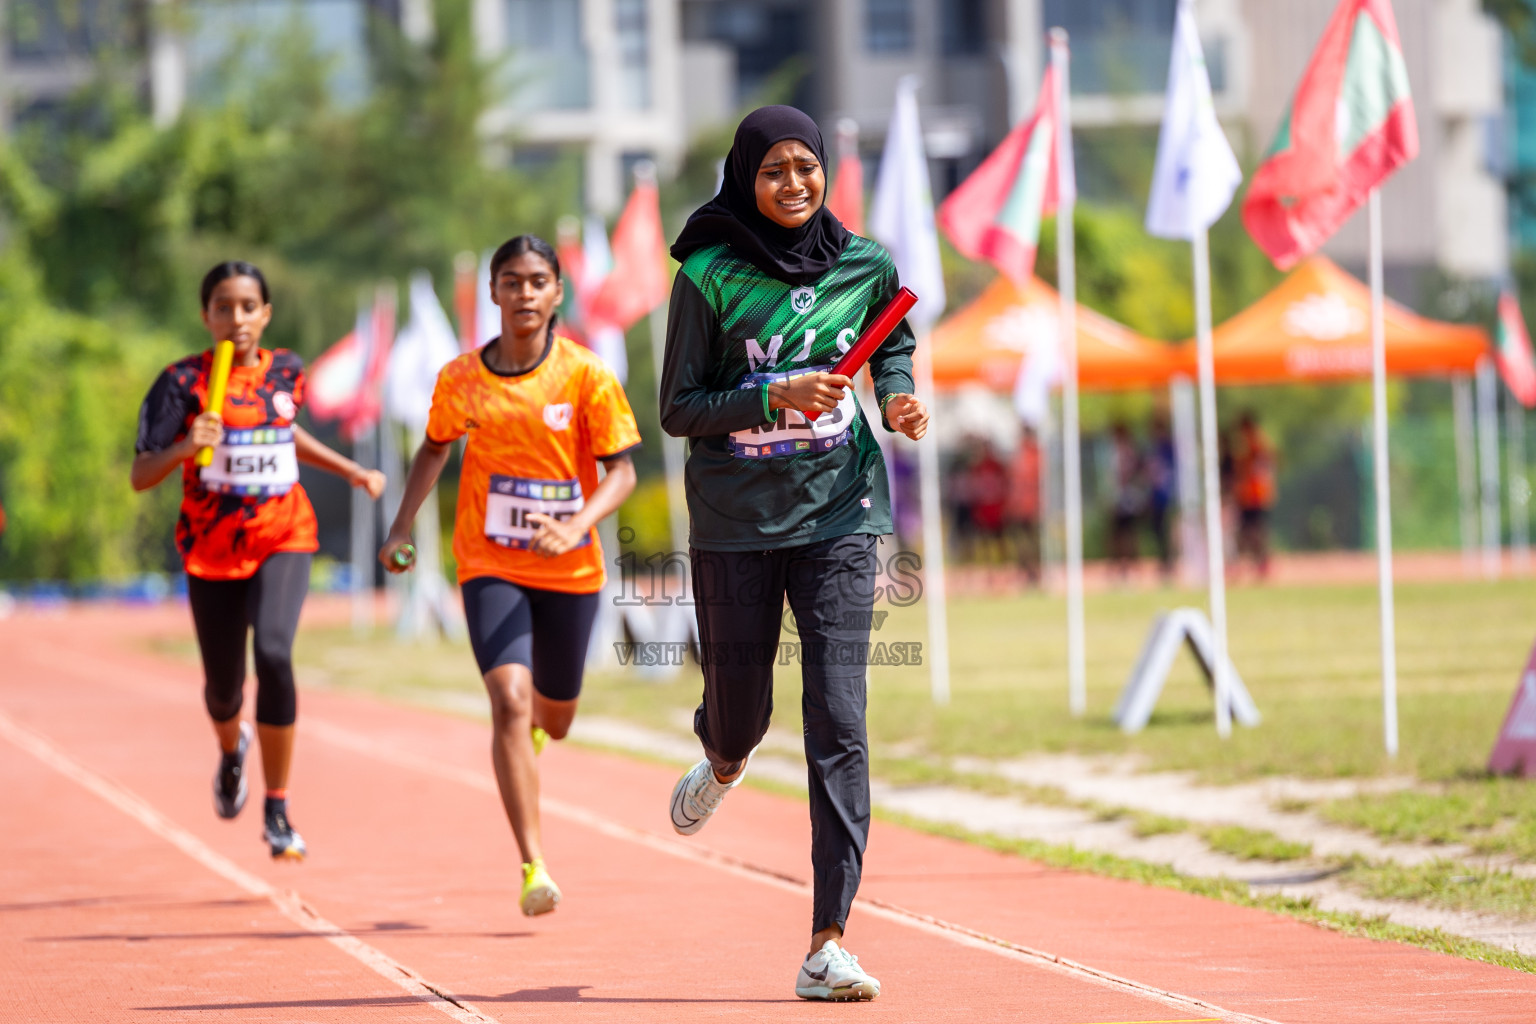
802 299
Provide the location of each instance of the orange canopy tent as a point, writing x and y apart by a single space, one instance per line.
1316 326
984 343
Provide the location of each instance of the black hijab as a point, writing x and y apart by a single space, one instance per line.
795 255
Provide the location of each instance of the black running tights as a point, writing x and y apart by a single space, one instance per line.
268 604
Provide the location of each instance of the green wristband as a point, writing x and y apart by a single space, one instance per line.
768 416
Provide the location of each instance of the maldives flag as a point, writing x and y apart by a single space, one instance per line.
1517 365
1349 126
638 282
995 214
344 382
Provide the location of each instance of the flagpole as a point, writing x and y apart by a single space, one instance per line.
1466 470
1066 279
1488 445
1519 486
1383 482
1215 554
671 450
933 539
363 546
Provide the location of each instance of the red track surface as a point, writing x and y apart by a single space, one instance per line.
122 897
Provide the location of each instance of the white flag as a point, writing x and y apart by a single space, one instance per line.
424 347
901 214
487 313
1196 173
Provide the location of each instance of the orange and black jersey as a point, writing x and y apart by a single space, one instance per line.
249 504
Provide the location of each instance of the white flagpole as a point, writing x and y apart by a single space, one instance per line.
1519 487
1215 555
363 546
671 448
1383 483
1488 450
937 598
1466 470
1066 278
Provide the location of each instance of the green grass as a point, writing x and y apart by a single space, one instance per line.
1445 883
1491 815
1229 891
1146 825
1252 844
1308 655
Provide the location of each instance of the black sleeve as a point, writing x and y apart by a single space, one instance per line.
688 407
163 416
891 365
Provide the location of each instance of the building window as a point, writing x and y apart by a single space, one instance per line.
888 26
629 23
232 43
549 71
963 27
1119 47
50 30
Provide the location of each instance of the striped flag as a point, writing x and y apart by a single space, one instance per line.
1349 126
1513 354
995 214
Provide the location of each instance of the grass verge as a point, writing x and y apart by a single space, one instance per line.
1228 891
1445 883
1491 815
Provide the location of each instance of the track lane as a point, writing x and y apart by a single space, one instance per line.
420 864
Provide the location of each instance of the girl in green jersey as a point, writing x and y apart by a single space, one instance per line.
772 290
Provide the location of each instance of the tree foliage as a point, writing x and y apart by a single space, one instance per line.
109 223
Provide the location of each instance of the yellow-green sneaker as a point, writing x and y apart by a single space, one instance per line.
540 737
540 893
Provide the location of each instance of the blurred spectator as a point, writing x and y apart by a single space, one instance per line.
1162 491
1127 499
987 489
957 488
1023 512
1253 488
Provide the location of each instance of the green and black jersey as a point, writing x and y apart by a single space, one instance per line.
758 481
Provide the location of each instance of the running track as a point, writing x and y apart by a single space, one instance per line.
123 898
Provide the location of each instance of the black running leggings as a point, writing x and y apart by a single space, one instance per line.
268 603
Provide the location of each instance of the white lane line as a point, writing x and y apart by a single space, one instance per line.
346 739
287 902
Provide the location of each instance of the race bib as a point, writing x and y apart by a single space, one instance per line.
258 463
792 433
512 499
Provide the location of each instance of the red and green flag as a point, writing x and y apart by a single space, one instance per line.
1516 363
1349 126
995 214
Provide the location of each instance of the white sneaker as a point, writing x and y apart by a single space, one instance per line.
696 796
833 973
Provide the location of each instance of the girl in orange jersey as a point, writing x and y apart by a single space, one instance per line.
246 530
540 412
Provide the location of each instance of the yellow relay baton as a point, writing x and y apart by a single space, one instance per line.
218 384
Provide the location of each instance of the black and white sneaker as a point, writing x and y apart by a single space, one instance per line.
279 833
230 786
834 974
697 796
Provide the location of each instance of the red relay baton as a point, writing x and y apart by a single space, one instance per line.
873 337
